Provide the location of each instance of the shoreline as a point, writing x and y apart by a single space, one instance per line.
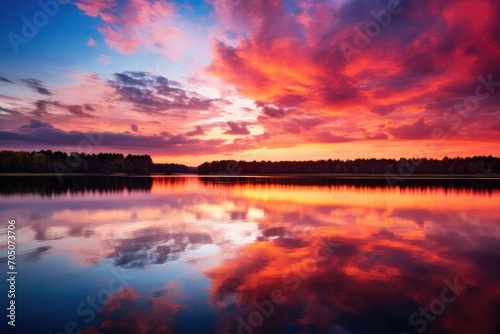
482 176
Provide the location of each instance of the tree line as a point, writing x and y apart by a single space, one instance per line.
47 161
473 165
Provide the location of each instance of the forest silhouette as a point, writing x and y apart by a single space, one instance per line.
47 161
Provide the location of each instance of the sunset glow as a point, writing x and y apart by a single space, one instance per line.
188 82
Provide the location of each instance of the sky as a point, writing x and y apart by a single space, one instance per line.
195 81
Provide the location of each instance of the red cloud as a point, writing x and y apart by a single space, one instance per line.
418 130
289 55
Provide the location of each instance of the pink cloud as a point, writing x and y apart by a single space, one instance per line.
244 15
91 42
135 23
104 59
97 8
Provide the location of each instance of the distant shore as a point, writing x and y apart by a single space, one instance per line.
370 176
327 175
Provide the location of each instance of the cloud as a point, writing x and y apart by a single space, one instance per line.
9 111
9 98
42 106
274 112
37 86
293 122
76 110
104 59
417 130
131 24
235 129
134 127
289 55
327 137
156 94
43 135
146 247
37 124
281 65
2 79
383 110
377 136
91 42
229 65
197 132
36 254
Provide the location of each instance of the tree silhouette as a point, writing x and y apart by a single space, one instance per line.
81 163
419 166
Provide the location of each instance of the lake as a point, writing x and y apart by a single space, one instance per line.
253 255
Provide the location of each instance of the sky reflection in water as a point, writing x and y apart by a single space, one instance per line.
191 255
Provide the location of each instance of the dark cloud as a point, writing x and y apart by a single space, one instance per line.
383 110
235 129
340 92
147 247
274 112
76 110
44 135
37 86
2 79
290 100
36 254
134 127
37 124
274 232
132 79
290 242
156 94
418 130
197 132
41 108
9 111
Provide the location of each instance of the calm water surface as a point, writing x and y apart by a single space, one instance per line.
253 255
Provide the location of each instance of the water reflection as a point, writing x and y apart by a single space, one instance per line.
479 185
53 186
260 255
154 246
